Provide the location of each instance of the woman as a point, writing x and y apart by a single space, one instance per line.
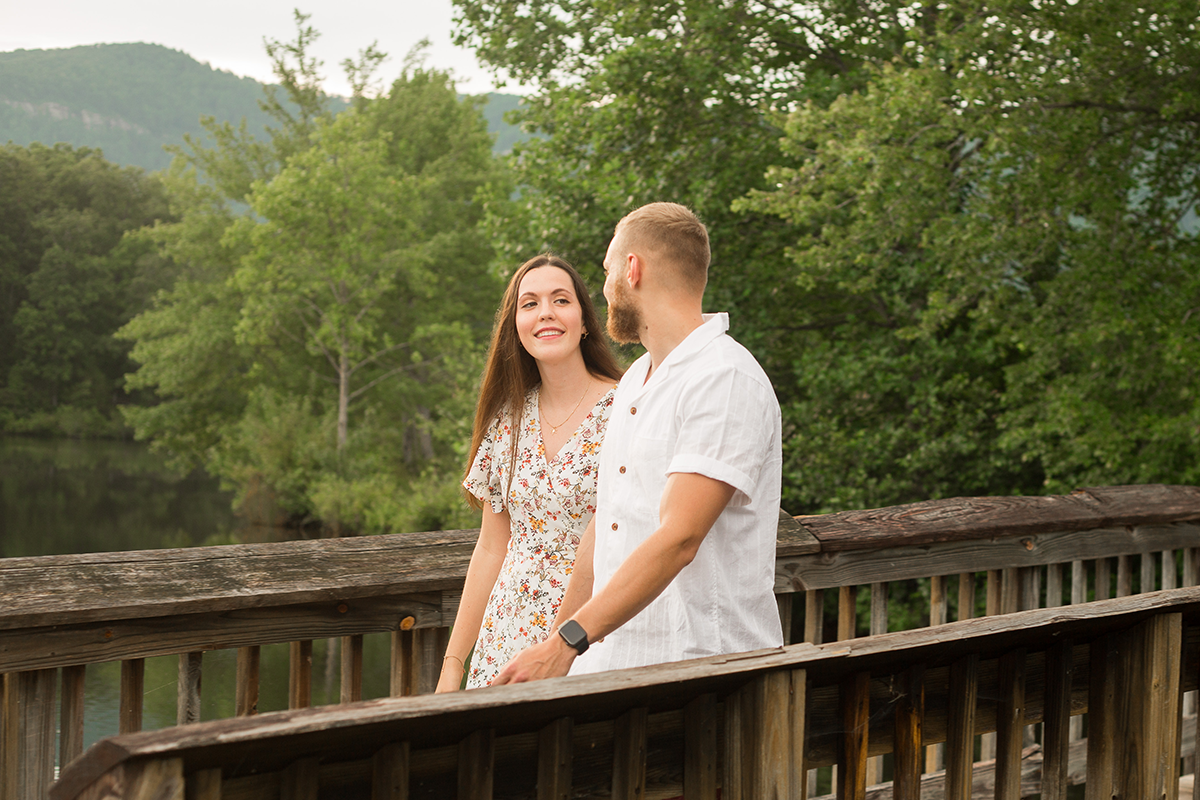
542 411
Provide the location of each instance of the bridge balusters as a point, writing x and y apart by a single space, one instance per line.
878 625
300 656
187 705
71 717
389 772
352 668
700 718
133 688
476 765
1010 724
246 687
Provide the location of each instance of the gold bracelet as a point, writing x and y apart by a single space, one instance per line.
461 666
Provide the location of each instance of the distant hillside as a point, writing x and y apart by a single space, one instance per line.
131 99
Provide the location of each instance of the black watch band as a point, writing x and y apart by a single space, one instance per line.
574 635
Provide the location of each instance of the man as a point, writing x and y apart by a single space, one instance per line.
681 551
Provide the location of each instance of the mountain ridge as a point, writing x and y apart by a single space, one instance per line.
131 99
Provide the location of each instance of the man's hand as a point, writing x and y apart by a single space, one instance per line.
550 659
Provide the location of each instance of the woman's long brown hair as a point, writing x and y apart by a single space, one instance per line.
511 373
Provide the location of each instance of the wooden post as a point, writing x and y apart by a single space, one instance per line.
772 744
1054 585
555 759
966 595
300 780
1010 724
1168 570
476 765
960 727
27 753
389 772
855 701
1124 576
783 603
1057 714
938 606
1010 590
246 688
133 682
629 755
352 668
300 674
1147 582
736 775
402 645
1103 578
910 715
814 615
878 625
1102 691
1147 701
847 623
204 784
700 748
71 719
187 698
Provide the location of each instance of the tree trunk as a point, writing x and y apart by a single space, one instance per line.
343 420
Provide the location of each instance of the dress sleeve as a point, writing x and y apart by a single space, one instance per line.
486 478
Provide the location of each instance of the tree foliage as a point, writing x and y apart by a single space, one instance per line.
68 280
960 236
324 343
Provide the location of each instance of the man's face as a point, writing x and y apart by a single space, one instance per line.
624 317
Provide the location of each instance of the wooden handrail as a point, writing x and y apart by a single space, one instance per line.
1154 639
65 612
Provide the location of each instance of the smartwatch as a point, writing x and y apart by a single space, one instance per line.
574 635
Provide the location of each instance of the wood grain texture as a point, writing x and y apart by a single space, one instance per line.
629 756
249 661
856 713
960 727
352 669
1057 714
555 757
300 780
133 689
72 713
389 772
187 699
1010 725
1102 692
700 725
204 784
300 655
909 719
964 518
476 765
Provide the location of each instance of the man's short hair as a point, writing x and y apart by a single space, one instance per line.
672 233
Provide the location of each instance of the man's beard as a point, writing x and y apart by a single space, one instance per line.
624 322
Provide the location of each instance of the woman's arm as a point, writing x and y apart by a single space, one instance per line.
486 561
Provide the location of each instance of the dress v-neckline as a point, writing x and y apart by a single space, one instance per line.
575 433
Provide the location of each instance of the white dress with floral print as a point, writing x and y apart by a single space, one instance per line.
550 502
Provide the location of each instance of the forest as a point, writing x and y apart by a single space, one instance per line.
960 237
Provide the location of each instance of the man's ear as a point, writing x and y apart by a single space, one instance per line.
633 274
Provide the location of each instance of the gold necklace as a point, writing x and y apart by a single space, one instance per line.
554 428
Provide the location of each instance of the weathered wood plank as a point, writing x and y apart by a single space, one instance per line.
300 673
389 772
814 616
352 669
792 538
133 689
246 684
64 645
476 765
1056 707
71 713
700 748
966 595
909 718
555 760
1103 578
960 727
938 601
1101 745
771 757
1150 654
827 570
204 784
1010 724
300 780
28 734
855 714
629 756
187 699
847 621
981 517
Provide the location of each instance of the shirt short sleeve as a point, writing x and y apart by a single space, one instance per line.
728 423
485 480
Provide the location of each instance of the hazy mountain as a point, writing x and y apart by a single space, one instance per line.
131 99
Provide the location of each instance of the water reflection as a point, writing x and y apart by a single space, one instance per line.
59 497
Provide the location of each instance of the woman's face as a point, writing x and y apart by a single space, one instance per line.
549 319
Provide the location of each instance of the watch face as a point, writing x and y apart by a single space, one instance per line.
574 635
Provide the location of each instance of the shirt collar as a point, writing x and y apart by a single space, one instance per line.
714 325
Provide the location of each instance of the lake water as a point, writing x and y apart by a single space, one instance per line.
68 496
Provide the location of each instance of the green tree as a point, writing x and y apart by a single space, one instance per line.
69 280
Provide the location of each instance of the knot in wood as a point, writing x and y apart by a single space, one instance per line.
343 608
407 623
1028 543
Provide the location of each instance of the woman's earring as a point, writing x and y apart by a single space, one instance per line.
585 333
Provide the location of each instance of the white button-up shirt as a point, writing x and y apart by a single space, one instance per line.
707 409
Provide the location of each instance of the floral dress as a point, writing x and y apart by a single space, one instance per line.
550 502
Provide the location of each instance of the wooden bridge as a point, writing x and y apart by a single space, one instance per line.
997 706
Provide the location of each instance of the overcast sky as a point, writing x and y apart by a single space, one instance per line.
228 34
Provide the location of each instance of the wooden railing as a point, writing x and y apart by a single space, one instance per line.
749 726
58 615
